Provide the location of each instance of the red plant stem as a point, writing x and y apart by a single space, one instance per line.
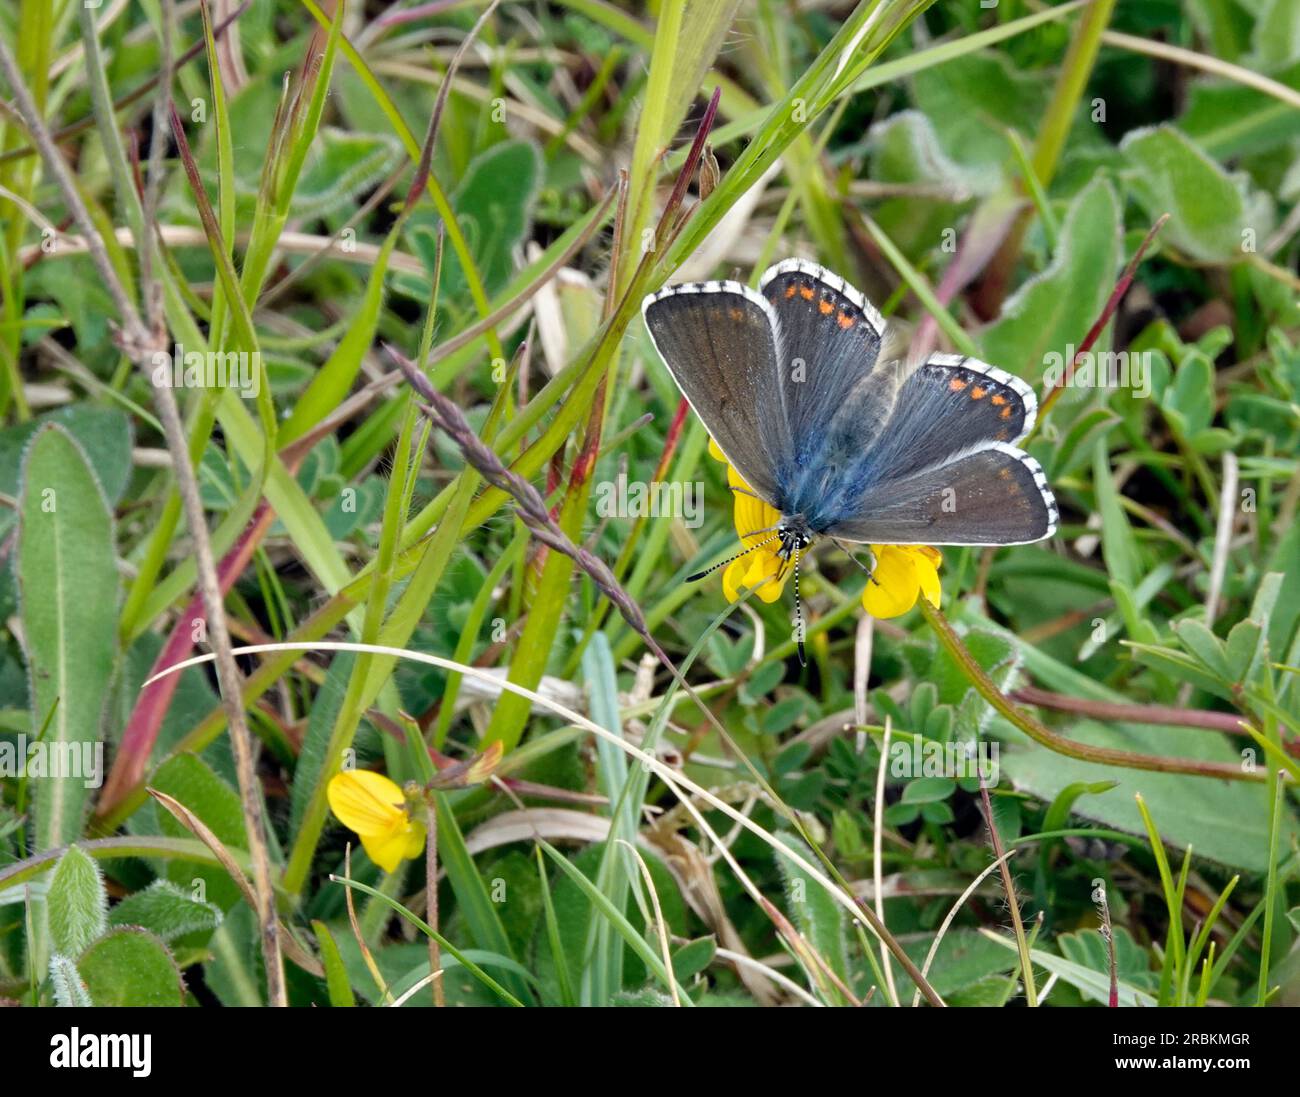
1138 714
151 707
672 437
1169 715
1050 396
687 173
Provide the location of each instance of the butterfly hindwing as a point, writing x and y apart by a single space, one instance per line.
992 496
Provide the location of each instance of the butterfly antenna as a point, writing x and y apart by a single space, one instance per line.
798 612
729 559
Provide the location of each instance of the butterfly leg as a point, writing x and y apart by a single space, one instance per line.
849 553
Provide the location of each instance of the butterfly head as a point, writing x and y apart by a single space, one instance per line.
794 535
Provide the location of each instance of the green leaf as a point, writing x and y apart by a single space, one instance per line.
925 790
344 166
1059 812
1229 120
104 434
1084 434
1182 667
693 957
131 967
635 941
1210 210
812 909
1188 402
1055 309
472 894
77 903
1092 984
167 911
1087 948
704 27
494 218
1242 652
962 962
1199 639
969 101
69 989
68 585
1282 620
1117 543
324 712
336 975
1276 35
1225 821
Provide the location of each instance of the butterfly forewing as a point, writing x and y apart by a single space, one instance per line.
829 339
840 382
718 342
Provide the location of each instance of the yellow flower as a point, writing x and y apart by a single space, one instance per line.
902 572
762 565
375 807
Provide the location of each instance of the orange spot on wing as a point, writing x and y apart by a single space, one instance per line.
806 292
1004 474
977 393
826 307
844 320
789 292
957 384
1006 413
737 314
999 400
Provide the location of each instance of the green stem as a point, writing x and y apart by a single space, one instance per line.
1106 756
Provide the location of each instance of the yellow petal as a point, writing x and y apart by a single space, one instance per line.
929 552
715 451
387 850
764 569
927 573
415 840
733 578
894 583
751 570
755 520
366 802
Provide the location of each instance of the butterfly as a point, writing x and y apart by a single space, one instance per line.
802 389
